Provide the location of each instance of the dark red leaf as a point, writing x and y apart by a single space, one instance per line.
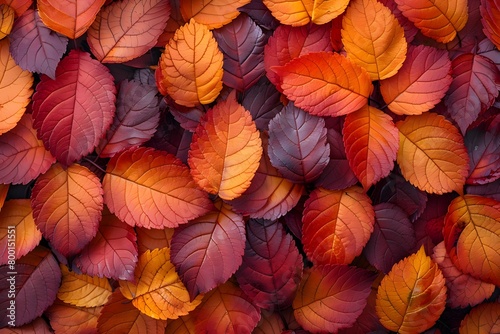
408 26
297 144
188 117
272 265
260 14
491 190
293 219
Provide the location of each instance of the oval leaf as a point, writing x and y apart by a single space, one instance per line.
371 142
212 13
67 206
432 155
471 233
336 225
373 38
325 84
330 298
421 82
158 291
83 290
490 12
72 112
225 150
70 319
118 32
194 50
208 250
302 12
482 319
22 144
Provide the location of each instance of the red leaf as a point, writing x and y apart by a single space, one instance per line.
297 144
331 297
272 265
20 145
475 85
242 43
208 250
408 26
371 142
20 6
136 119
36 280
393 237
490 13
35 47
72 112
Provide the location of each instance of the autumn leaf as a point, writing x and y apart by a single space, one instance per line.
482 319
262 100
412 296
194 50
325 83
149 239
67 318
158 291
7 15
302 12
213 13
432 154
373 38
490 11
19 6
118 32
150 188
225 151
270 323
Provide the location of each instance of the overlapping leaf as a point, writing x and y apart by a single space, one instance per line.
408 26
20 6
181 325
325 84
298 148
471 233
4 189
336 225
490 12
7 15
270 323
432 155
476 81
158 291
70 18
149 239
67 206
226 149
127 29
212 13
482 318
17 147
412 296
371 142
302 12
149 188
373 38
437 19
242 43
38 326
72 112
208 250
15 89
262 100
330 298
421 82
260 14
70 319
272 265
36 282
17 230
191 65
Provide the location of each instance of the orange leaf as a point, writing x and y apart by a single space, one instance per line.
15 89
70 18
150 188
432 155
225 150
149 239
4 189
463 289
411 298
20 6
371 142
83 290
336 225
437 19
125 30
120 316
484 318
420 84
181 325
301 12
325 83
18 230
191 66
158 291
472 235
70 319
373 38
490 13
7 15
212 13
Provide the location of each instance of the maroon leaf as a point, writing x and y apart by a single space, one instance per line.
34 280
35 47
293 219
336 35
72 112
242 43
297 144
136 119
209 249
272 265
188 117
260 14
393 237
491 190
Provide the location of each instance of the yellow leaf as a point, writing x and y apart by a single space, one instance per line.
7 15
301 12
212 13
